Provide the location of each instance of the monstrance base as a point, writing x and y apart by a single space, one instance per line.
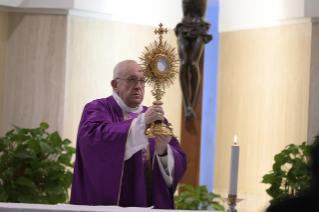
159 128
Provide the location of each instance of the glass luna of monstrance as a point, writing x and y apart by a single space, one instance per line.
159 64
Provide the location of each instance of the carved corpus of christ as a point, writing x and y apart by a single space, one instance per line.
192 34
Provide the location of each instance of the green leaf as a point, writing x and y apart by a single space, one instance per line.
200 190
56 166
8 172
276 167
212 195
46 147
306 151
42 200
293 149
56 176
58 149
188 187
218 207
39 138
273 191
6 141
3 196
16 164
291 146
290 160
26 131
55 190
204 207
190 199
55 199
34 146
291 177
66 141
8 134
280 158
299 169
26 198
23 154
25 181
268 178
39 170
65 159
18 129
55 139
44 126
186 194
28 171
68 179
11 191
303 146
70 150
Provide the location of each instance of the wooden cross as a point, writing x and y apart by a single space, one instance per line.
160 31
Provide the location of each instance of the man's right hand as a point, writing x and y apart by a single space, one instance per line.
154 113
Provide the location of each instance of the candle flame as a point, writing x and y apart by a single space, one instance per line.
235 140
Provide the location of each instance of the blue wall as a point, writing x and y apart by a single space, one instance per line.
209 99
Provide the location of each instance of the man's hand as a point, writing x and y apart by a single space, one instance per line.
154 113
161 142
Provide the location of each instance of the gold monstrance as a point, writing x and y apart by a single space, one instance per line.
159 64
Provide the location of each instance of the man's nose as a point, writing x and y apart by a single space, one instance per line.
138 85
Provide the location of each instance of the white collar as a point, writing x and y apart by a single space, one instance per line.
124 107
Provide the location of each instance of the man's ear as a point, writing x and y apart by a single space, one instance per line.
114 85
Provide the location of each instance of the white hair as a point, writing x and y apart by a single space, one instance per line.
121 66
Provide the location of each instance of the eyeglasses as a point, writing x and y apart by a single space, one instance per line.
133 81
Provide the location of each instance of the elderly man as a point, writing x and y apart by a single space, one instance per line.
116 164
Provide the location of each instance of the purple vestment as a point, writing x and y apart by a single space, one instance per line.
102 177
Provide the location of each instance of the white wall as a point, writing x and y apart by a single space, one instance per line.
143 12
11 3
251 14
311 8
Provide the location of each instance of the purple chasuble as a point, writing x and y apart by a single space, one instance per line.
102 177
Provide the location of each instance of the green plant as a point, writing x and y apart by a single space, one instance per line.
291 173
196 199
33 166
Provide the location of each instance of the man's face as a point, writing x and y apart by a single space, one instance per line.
132 95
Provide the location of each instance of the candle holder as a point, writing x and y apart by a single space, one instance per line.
231 201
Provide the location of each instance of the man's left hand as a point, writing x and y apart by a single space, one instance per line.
161 142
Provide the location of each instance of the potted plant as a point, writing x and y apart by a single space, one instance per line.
291 174
197 199
35 166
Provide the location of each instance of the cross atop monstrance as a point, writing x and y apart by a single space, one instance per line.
160 31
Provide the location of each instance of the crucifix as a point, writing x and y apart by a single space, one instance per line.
192 34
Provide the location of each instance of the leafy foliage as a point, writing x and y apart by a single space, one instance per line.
291 174
33 166
196 199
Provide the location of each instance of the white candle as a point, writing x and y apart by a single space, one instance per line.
234 160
